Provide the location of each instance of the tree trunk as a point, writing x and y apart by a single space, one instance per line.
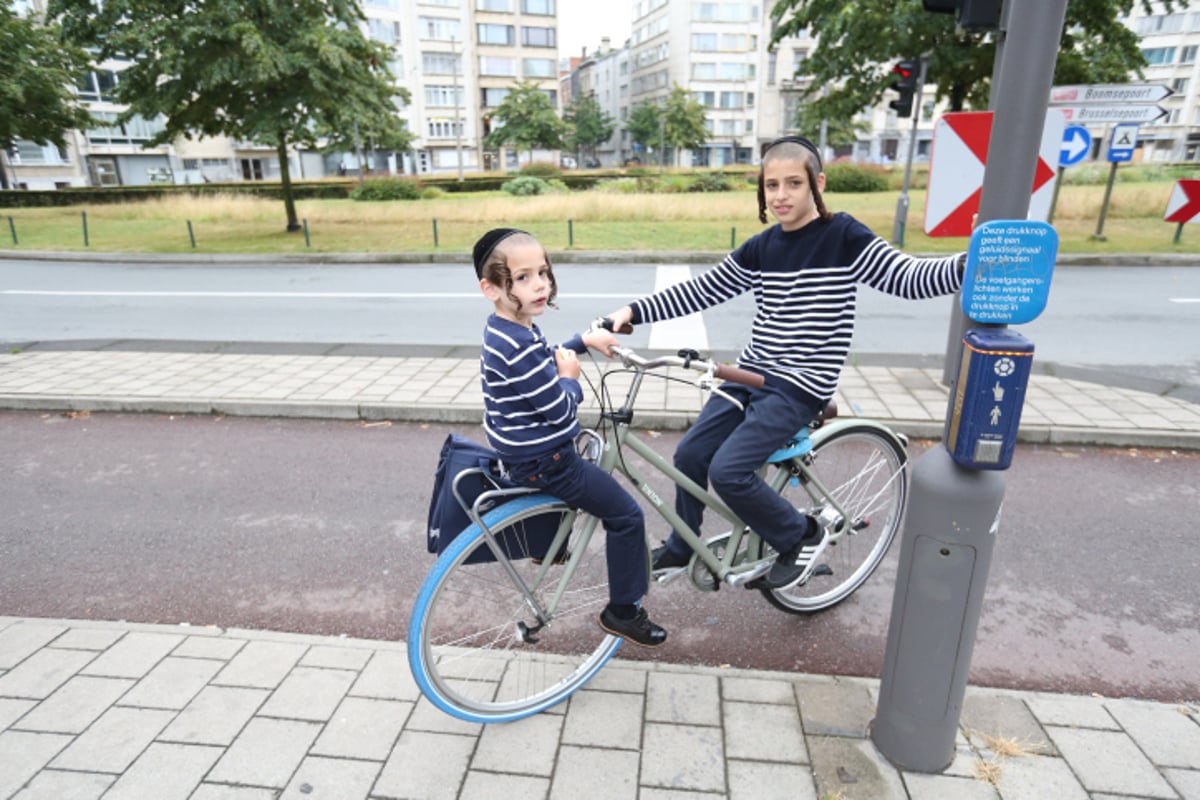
285 183
3 172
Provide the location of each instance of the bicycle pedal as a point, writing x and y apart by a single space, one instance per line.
821 569
663 576
750 577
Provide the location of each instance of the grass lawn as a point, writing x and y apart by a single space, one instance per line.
592 220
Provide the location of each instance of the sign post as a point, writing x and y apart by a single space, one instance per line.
954 511
1120 150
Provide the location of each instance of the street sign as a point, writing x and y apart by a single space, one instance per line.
1099 114
956 167
1109 93
1077 142
1123 141
1184 205
1009 266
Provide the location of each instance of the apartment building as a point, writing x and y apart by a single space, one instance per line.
604 75
1170 42
457 59
719 52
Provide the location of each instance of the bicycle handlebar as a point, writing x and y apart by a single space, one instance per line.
685 359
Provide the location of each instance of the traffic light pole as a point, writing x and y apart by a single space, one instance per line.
902 203
953 512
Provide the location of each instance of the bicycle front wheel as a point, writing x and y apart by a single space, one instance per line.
863 468
476 648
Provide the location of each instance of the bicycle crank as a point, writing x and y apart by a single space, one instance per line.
526 634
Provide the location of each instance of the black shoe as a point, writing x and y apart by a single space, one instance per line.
797 564
639 630
665 558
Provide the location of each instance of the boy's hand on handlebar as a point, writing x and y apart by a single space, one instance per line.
601 341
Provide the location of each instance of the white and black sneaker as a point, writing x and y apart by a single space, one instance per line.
797 564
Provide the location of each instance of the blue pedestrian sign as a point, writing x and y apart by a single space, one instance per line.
1077 143
1009 266
1124 140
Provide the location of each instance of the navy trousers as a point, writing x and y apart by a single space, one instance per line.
725 448
583 485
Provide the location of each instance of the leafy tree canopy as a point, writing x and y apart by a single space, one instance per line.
590 124
860 40
527 120
36 76
678 122
271 71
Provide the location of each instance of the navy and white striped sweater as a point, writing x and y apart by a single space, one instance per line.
805 286
529 411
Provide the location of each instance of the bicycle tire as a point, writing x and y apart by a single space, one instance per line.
863 466
466 649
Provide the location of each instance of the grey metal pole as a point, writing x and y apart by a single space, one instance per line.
901 220
954 513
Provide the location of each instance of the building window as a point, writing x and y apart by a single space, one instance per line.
443 128
440 63
382 30
543 7
443 96
135 131
1188 55
738 42
537 37
494 97
390 5
494 5
731 99
495 65
439 28
704 72
538 67
1158 56
1179 85
495 34
27 152
704 42
706 99
734 71
97 86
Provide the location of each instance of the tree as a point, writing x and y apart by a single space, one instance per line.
860 40
36 76
644 125
590 124
684 122
527 120
839 132
269 71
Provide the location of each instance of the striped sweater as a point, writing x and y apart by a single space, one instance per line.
529 411
805 286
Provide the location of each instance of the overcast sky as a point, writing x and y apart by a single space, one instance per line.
581 23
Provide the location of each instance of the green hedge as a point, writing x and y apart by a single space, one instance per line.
91 195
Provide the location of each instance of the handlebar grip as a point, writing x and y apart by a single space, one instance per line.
742 376
607 324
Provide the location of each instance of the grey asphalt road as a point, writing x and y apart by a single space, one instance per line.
1133 322
318 527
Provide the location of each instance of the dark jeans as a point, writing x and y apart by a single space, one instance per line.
726 446
585 486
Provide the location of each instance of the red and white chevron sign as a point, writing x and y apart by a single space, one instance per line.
1184 205
956 164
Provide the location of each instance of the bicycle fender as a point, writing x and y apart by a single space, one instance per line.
840 424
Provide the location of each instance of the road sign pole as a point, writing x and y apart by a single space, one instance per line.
954 510
1054 200
1112 178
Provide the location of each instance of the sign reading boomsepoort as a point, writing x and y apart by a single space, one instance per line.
1009 266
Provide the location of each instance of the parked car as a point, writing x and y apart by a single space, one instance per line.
567 162
591 162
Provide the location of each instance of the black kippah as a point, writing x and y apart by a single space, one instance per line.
487 243
800 140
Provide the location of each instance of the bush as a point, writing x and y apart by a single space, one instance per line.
387 189
847 176
711 182
526 185
541 169
432 193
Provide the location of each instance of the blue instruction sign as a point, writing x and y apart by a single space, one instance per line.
1009 266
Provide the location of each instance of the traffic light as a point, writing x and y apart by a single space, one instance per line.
906 85
972 15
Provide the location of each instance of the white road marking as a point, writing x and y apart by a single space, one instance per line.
1185 299
686 331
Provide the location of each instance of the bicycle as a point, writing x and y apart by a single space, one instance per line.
499 633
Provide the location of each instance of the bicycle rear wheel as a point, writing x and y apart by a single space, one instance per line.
474 645
863 467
